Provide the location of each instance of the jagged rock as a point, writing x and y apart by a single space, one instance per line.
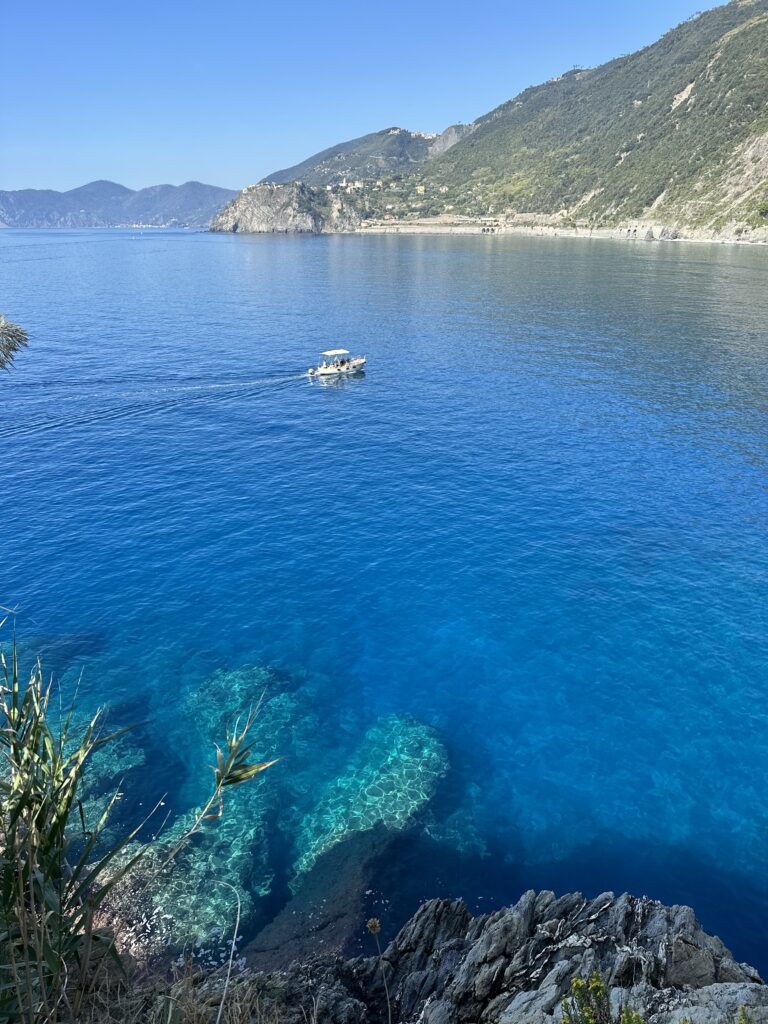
515 966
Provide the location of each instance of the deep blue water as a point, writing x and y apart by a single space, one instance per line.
538 524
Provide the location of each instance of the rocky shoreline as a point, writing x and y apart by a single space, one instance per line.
515 966
302 209
647 231
316 960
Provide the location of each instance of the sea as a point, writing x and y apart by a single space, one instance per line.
532 537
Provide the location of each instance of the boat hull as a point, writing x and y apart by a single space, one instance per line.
353 366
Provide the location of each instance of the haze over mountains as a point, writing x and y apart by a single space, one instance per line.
104 204
672 137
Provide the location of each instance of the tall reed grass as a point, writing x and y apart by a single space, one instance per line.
55 870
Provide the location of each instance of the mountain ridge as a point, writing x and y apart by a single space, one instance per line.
375 155
105 204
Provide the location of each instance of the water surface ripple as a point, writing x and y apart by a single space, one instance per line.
538 523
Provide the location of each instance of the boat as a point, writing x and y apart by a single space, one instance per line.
337 361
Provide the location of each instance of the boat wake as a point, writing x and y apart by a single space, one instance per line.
146 402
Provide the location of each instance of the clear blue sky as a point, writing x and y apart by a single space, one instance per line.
226 92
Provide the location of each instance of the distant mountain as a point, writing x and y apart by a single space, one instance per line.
380 154
105 204
670 140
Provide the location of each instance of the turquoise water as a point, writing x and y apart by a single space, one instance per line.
534 533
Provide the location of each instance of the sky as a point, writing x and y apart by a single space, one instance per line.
225 93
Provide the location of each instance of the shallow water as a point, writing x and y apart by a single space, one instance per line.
537 524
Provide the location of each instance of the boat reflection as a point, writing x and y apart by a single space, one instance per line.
339 381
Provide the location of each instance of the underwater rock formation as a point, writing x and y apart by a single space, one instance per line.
515 966
187 901
391 777
59 651
105 775
190 903
329 911
274 829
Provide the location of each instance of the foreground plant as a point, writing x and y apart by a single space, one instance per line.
12 338
374 927
590 1003
52 879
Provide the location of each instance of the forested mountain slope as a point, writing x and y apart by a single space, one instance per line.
679 129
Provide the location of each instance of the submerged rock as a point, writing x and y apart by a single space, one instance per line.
390 777
515 966
275 828
105 776
59 651
192 901
328 913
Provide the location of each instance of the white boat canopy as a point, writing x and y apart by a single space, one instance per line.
336 352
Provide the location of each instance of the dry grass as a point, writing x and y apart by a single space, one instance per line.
189 997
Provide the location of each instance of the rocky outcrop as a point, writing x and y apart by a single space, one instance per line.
515 966
447 139
291 208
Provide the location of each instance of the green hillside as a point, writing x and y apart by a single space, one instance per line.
678 130
370 156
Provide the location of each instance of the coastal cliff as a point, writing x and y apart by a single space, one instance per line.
294 208
515 966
